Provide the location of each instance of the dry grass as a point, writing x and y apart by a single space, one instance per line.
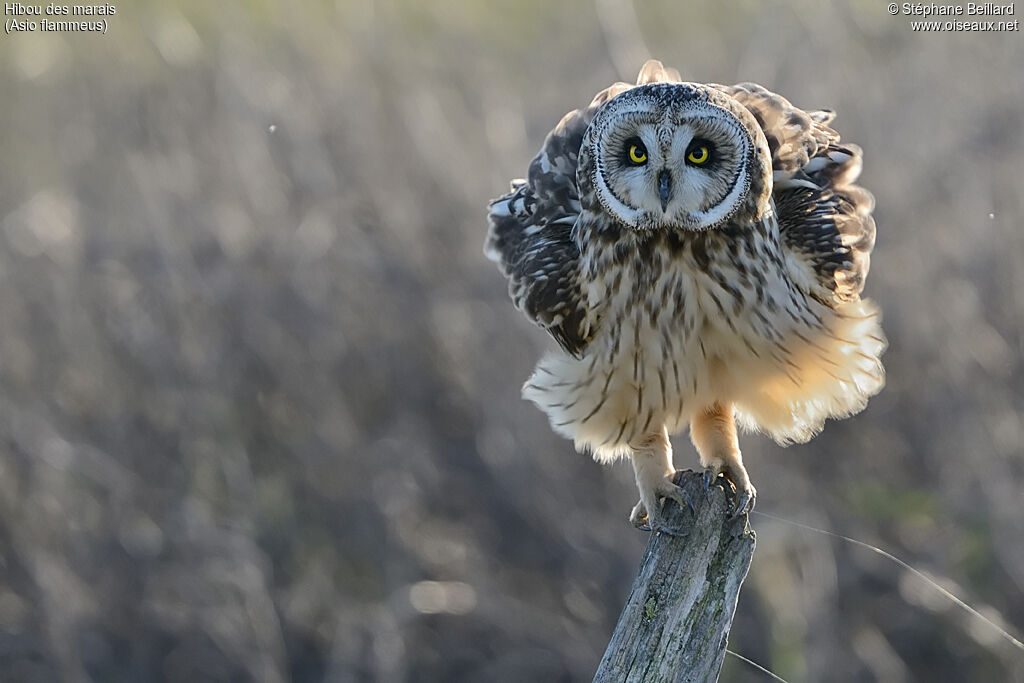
259 388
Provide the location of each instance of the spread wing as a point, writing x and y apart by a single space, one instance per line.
824 217
530 233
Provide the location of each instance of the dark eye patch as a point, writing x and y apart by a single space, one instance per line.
635 152
701 152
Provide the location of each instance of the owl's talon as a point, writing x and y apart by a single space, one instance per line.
710 475
638 517
644 524
674 492
744 502
743 495
663 528
641 516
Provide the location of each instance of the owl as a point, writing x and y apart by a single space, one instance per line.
698 252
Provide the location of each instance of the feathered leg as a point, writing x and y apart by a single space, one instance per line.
713 432
652 465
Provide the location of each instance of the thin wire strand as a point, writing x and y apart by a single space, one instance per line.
756 665
1003 632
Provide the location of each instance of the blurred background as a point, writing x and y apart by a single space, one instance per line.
259 388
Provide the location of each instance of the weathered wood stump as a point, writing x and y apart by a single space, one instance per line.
676 622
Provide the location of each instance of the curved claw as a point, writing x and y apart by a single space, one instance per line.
743 498
744 502
638 517
646 516
678 495
710 475
666 529
644 524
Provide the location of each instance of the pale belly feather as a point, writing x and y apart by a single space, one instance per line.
672 341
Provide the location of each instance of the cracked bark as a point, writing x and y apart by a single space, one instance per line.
676 621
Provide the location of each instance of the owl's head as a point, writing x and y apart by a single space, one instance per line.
676 156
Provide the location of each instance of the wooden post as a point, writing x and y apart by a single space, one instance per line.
676 621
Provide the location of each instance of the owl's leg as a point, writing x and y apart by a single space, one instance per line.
652 465
713 432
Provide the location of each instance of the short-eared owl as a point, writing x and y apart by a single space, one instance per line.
698 253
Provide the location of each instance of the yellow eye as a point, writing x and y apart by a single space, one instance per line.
699 155
637 154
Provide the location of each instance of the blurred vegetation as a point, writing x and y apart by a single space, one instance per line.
259 390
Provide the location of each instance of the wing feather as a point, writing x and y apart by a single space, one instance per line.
530 233
824 217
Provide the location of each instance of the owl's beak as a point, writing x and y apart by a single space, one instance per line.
664 187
